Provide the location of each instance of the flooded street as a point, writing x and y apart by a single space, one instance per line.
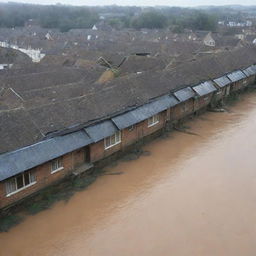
193 195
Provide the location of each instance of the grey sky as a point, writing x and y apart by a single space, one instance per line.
142 2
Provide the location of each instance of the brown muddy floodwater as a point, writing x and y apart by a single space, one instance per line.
194 195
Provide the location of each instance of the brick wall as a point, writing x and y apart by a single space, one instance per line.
251 80
43 179
129 136
181 110
149 130
202 102
97 150
219 95
78 157
236 86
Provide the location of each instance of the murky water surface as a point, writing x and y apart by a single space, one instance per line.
194 195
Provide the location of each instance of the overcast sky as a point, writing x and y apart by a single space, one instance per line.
141 2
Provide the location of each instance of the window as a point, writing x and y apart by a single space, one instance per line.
112 140
56 165
228 90
131 128
153 120
19 182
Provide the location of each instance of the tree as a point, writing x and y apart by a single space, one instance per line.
152 19
203 21
200 21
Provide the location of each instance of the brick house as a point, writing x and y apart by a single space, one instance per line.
238 79
54 131
204 92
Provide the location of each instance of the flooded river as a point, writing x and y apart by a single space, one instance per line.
193 195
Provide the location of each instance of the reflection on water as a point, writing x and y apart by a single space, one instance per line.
194 195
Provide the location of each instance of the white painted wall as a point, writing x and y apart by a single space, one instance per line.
4 66
34 54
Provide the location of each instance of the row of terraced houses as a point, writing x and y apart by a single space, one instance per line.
46 138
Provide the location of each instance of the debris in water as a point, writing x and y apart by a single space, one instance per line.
217 110
112 173
184 131
146 153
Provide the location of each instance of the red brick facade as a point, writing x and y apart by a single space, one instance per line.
181 110
129 136
43 178
239 85
202 102
97 151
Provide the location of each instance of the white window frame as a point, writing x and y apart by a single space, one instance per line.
113 140
153 120
131 128
32 181
228 90
59 165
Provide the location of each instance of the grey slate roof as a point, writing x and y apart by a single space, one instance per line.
253 68
236 76
184 94
247 72
26 158
250 71
102 130
204 88
222 81
142 113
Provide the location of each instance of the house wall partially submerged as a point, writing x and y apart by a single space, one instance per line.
23 172
43 177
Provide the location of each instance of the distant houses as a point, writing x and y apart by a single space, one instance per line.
247 23
34 54
208 40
